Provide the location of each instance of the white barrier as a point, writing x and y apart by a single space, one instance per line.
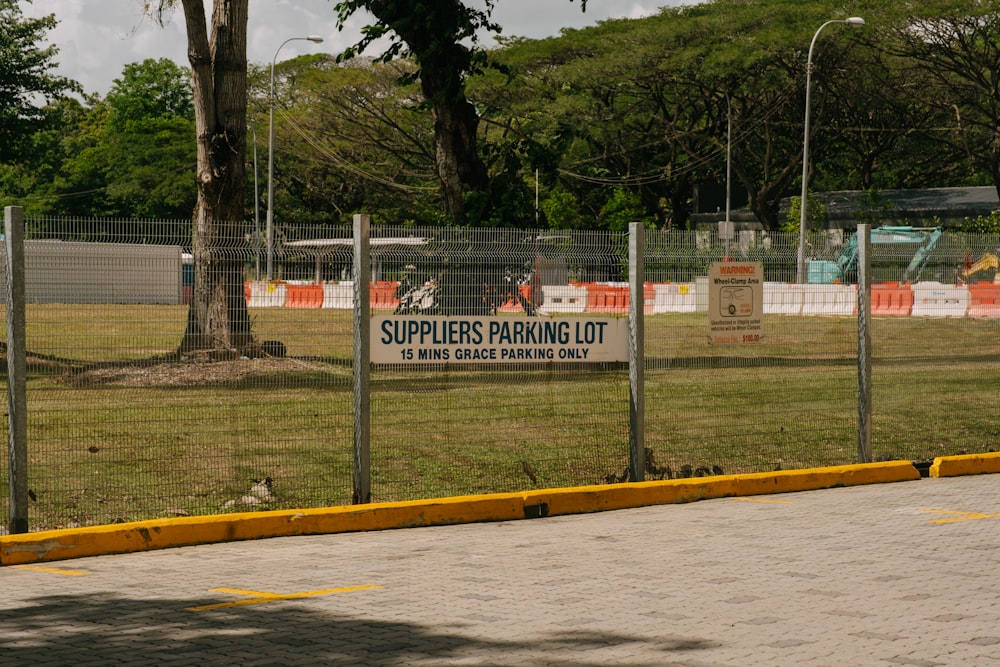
266 295
701 294
931 299
338 295
563 299
940 300
783 298
674 298
829 300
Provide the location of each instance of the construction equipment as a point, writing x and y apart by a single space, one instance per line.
432 297
986 262
418 299
845 267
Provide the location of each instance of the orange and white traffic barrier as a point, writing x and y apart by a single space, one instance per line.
984 300
783 298
891 299
308 295
939 300
263 294
383 295
674 298
829 300
563 299
339 295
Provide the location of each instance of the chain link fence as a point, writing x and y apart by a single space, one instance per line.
121 428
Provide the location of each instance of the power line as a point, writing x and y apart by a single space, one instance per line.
347 164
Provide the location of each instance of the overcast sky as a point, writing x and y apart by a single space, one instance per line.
97 38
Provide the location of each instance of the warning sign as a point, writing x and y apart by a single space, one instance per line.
735 302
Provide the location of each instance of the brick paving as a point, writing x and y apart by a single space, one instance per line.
889 574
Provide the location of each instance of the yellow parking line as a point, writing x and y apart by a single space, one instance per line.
258 597
52 570
960 516
240 591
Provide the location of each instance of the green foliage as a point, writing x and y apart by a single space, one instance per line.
874 210
506 202
562 211
25 76
424 30
509 198
442 40
130 155
368 142
147 90
621 208
619 121
150 168
987 224
815 214
955 48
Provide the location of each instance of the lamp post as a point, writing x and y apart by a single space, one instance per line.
857 22
270 155
729 172
256 208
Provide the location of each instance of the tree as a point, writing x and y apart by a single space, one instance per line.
151 161
35 110
956 46
362 140
744 61
443 39
150 89
646 103
218 317
760 67
566 114
26 77
132 155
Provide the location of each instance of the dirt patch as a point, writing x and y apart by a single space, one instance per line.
189 373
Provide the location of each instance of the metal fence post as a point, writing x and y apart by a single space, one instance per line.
636 358
362 360
17 403
864 345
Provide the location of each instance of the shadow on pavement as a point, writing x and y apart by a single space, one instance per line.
103 629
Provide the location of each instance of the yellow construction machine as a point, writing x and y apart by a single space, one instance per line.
986 262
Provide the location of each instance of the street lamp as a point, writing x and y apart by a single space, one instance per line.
256 208
270 155
857 22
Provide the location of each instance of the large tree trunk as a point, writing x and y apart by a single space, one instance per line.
456 123
458 165
218 317
444 62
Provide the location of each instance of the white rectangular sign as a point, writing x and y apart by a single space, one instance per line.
735 302
415 339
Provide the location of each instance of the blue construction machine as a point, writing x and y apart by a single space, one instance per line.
844 269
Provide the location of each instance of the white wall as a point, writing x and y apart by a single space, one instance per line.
80 272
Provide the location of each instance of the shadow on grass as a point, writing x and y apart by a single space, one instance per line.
106 629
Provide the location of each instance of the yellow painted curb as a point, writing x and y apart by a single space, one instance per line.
578 500
966 464
187 531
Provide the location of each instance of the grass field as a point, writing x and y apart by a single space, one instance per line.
115 435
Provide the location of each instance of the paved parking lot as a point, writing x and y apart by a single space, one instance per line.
886 574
